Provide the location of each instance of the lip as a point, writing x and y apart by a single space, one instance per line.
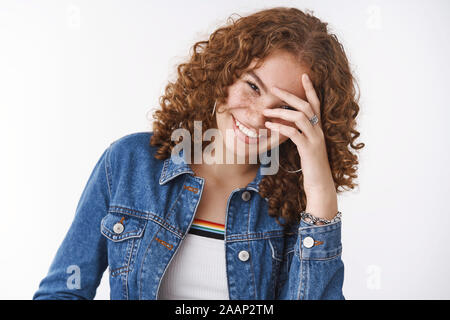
250 127
243 137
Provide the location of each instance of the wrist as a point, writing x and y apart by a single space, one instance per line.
324 206
310 219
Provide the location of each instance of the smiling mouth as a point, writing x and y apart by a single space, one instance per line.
245 130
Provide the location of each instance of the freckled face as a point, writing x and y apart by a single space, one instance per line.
248 97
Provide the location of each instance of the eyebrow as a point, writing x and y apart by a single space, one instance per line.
258 80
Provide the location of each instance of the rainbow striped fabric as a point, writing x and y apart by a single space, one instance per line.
207 229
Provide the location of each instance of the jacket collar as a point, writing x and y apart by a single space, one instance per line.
173 167
177 165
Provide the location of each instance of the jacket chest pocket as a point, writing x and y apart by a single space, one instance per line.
124 234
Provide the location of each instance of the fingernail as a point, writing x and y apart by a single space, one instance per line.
306 76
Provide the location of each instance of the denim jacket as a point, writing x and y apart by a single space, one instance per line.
136 210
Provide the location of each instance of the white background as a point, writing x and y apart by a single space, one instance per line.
76 75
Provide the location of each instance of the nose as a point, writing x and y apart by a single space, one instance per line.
255 117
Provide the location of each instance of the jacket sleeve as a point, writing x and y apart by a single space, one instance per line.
316 270
81 259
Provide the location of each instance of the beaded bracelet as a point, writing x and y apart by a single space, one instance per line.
308 217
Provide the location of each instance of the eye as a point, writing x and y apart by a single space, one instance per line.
253 86
287 107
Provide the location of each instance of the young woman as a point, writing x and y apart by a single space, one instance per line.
178 228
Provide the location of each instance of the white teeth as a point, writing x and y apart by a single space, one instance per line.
246 130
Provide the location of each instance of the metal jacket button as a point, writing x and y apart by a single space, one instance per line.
308 242
118 228
246 195
243 255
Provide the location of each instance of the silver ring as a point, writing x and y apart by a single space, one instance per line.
314 120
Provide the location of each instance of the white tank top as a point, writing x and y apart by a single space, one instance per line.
198 269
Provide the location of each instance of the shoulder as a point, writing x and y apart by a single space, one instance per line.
132 150
131 167
137 143
132 142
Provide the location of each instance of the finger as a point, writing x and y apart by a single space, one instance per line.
311 94
288 131
297 117
294 101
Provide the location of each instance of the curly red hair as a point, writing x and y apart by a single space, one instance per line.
218 62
